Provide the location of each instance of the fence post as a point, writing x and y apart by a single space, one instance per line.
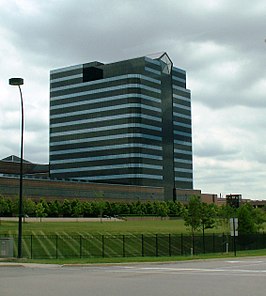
124 250
103 246
213 243
31 247
156 244
170 245
80 246
142 245
181 244
56 247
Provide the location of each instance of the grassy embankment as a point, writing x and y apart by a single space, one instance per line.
115 227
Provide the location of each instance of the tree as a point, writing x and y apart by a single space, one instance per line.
77 208
225 212
87 209
259 218
198 216
40 211
29 207
250 220
175 208
54 208
192 214
67 208
4 206
161 208
207 218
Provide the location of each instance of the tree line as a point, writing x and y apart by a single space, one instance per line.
96 208
198 216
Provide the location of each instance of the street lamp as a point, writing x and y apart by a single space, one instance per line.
18 82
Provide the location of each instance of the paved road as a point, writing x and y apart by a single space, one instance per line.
243 277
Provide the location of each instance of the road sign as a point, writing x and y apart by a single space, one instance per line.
234 226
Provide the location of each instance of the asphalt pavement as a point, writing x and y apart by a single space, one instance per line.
233 277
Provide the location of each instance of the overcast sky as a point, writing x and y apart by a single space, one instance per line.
220 43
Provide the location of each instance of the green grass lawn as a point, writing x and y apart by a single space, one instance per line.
141 238
114 227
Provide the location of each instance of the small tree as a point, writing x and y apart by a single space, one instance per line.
192 214
259 217
77 208
29 207
67 208
40 211
250 220
208 218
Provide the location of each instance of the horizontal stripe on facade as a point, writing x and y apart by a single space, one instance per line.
182 120
119 79
180 160
182 151
181 106
153 71
106 138
182 147
183 170
108 157
178 114
178 98
178 83
181 124
108 167
104 145
134 92
187 166
66 78
62 88
105 135
114 100
108 128
123 176
129 116
67 69
117 163
176 78
103 148
182 103
109 172
153 61
183 156
106 109
180 133
103 91
181 91
181 128
105 151
183 138
183 179
108 116
178 72
87 126
189 144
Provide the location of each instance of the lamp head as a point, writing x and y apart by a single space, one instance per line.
16 81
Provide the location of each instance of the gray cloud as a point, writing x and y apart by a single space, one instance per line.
219 43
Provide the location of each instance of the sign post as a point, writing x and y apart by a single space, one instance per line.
234 230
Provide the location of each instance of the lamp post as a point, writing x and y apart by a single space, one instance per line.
18 82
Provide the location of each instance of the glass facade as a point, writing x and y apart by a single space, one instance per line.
127 122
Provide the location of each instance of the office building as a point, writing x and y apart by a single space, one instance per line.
127 122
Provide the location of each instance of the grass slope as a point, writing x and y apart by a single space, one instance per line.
116 227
